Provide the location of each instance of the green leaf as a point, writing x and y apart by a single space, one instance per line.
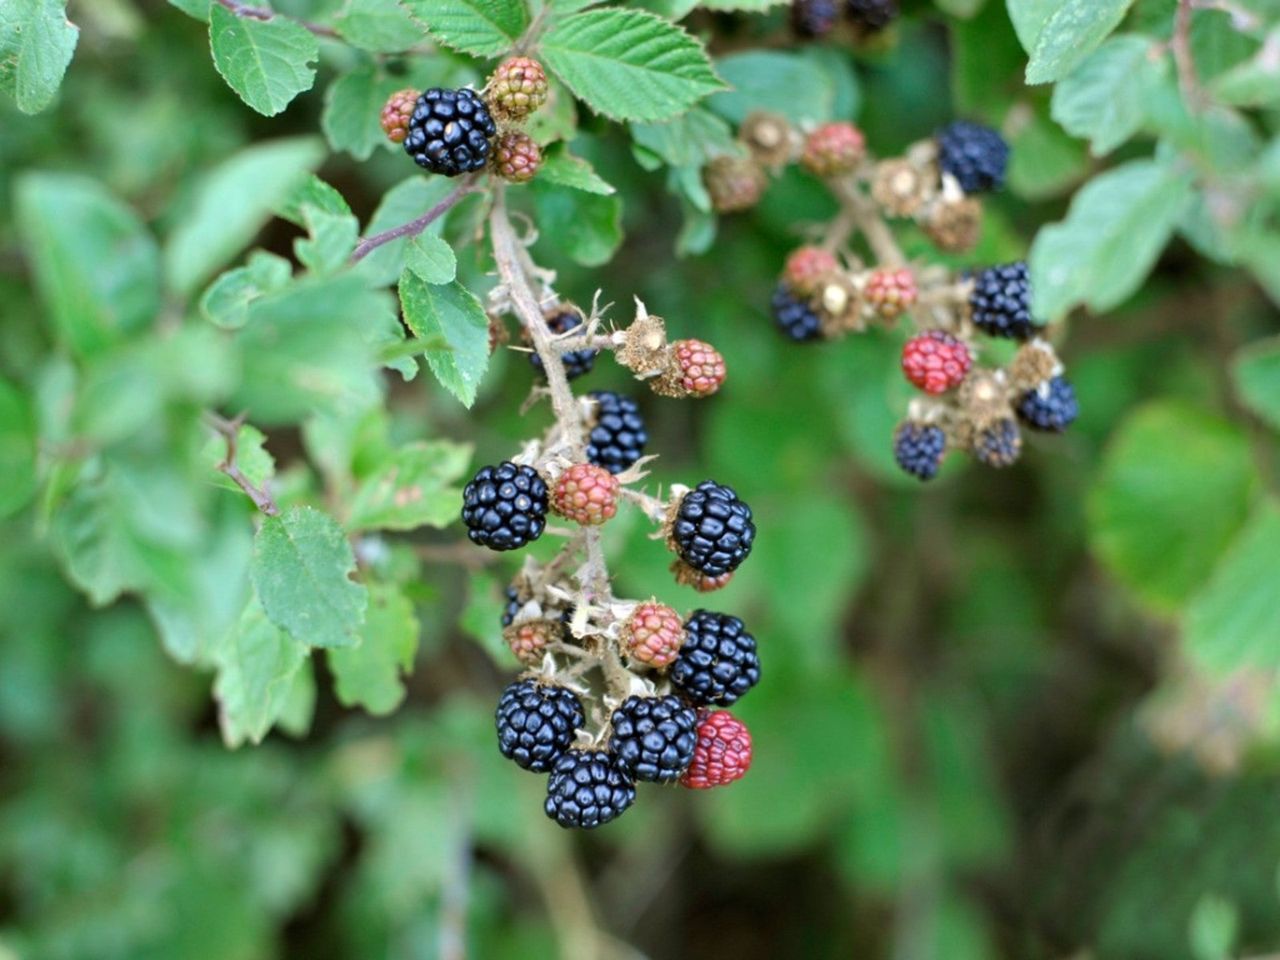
433 260
231 204
1116 228
17 450
252 457
199 9
628 64
586 227
562 168
1257 377
301 570
1029 18
36 44
226 301
1254 83
369 675
1215 924
1044 161
690 140
482 27
452 313
352 111
785 83
406 201
266 62
1071 33
256 667
379 26
332 238
413 488
481 618
1174 488
1103 99
1234 621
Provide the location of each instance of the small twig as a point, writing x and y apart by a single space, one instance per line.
229 430
261 13
862 214
415 227
1180 44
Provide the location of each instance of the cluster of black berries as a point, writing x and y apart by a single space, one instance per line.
818 18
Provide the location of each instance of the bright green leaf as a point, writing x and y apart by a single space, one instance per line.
562 168
1103 99
1071 33
17 450
453 314
585 226
380 26
266 62
369 675
433 260
352 110
413 488
480 27
1257 376
785 83
256 666
36 44
225 303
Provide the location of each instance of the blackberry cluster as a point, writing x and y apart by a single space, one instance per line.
617 436
919 448
718 662
449 131
576 362
814 18
587 788
1000 304
999 444
536 723
653 737
975 155
794 316
872 14
1052 406
505 506
712 530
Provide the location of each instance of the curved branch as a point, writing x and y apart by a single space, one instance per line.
263 14
415 227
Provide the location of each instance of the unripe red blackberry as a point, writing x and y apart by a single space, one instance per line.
529 640
834 149
516 157
396 113
733 183
890 291
935 361
653 634
687 576
722 753
698 369
517 88
807 267
586 494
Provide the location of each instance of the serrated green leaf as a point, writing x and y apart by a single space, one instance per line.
96 266
17 450
481 618
585 226
1071 33
225 303
562 168
785 83
431 258
36 44
405 201
266 62
1256 370
301 569
352 108
413 488
379 26
1116 228
690 140
1029 18
252 457
629 65
369 675
332 238
199 9
311 192
256 666
1103 99
1174 488
1044 161
481 27
452 313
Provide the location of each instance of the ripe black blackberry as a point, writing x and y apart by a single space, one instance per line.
587 788
505 506
1051 406
814 18
617 436
872 14
653 737
712 529
999 444
576 362
717 663
975 155
1001 301
449 131
794 316
918 448
536 723
512 607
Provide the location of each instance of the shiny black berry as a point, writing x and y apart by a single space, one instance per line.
587 788
999 444
536 723
872 14
617 436
795 317
713 532
814 18
1051 406
975 155
505 506
653 737
1000 303
576 362
717 663
449 131
512 606
918 448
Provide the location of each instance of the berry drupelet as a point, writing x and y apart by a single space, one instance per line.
654 737
814 18
722 754
1052 406
586 789
513 602
794 317
505 506
919 448
975 155
712 529
576 362
536 723
617 435
449 132
935 361
717 663
1000 304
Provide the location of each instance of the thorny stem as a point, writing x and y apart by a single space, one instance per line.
415 227
262 13
229 430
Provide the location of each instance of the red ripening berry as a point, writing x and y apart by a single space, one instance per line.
834 149
528 640
517 88
653 634
396 113
891 291
701 367
516 157
722 754
936 361
691 577
807 267
586 494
